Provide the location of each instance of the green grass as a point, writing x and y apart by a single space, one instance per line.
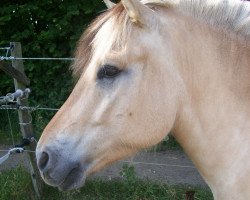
107 190
16 184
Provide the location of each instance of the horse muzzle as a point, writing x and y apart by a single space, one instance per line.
60 169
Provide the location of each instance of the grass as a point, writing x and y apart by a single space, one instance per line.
103 190
16 184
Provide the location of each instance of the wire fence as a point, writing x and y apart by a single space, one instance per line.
41 59
4 48
7 57
8 103
28 108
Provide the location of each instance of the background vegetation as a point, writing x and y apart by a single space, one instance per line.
45 29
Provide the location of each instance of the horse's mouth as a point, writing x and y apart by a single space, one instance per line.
74 180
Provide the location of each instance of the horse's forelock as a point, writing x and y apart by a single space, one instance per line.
84 50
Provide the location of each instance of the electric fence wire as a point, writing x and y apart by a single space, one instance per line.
42 58
7 57
4 107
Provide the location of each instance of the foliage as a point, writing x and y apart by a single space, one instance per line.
16 184
8 122
168 143
45 29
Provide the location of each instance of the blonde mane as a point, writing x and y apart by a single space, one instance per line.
231 15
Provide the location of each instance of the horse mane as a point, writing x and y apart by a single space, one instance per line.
232 15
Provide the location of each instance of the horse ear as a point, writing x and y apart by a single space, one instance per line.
138 12
109 4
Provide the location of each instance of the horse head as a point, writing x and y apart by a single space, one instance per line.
125 99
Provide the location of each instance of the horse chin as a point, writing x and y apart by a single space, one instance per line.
74 180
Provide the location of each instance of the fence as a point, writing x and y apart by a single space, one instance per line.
19 101
16 71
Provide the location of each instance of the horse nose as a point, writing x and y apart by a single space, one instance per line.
43 161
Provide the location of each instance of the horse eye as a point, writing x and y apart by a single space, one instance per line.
108 71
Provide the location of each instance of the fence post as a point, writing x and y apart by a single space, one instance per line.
25 121
9 70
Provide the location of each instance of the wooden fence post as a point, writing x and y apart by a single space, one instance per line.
25 121
9 70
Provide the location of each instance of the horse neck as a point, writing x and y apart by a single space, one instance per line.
213 124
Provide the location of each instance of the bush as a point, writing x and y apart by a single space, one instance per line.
45 29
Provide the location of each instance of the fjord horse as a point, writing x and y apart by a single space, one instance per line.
149 67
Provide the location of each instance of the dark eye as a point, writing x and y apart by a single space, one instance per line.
108 71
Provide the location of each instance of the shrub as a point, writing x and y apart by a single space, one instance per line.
45 29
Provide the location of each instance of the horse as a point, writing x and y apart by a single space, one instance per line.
147 68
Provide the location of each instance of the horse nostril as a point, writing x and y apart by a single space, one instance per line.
43 161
